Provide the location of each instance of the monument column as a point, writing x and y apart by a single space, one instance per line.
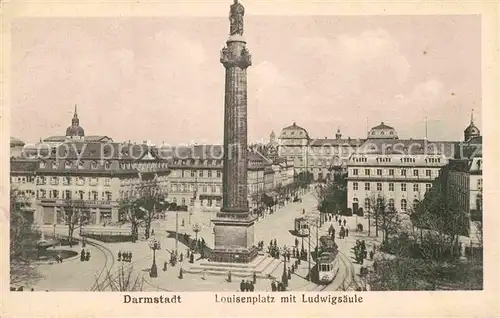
234 225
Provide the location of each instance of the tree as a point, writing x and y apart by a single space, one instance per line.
23 234
123 280
74 213
142 210
332 197
385 216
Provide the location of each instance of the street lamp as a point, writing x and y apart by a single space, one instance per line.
284 277
196 229
154 244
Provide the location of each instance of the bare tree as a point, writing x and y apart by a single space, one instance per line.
123 280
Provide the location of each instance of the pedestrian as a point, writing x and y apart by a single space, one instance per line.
344 222
288 256
371 255
254 278
296 242
82 255
152 232
119 256
164 266
340 222
87 257
130 255
251 286
346 232
242 285
273 286
336 217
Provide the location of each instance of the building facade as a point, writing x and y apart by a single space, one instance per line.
92 176
463 178
196 176
316 156
398 170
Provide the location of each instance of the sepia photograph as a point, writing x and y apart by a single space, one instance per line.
242 153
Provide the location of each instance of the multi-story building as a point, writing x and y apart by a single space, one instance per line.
316 156
93 176
399 170
196 176
463 178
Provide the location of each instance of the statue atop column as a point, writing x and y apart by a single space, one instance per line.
236 13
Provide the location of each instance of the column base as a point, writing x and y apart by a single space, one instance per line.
234 238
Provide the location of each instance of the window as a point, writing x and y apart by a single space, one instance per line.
367 172
67 194
210 173
204 189
379 172
403 186
355 186
54 165
355 172
391 172
107 182
391 186
428 172
106 165
212 189
415 173
55 194
480 184
415 204
54 180
192 173
415 187
108 195
403 205
379 186
403 172
367 186
428 186
200 173
67 165
80 165
183 201
94 164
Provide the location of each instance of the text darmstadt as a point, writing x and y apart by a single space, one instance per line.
162 299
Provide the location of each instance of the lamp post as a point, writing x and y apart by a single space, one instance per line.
309 255
196 229
154 244
284 277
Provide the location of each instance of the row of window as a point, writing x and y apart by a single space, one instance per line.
77 195
380 172
390 203
80 181
379 186
207 202
192 188
197 162
68 164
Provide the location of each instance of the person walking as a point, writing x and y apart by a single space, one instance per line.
119 256
346 231
82 255
273 286
344 222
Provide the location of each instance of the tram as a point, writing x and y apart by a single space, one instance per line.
327 263
301 227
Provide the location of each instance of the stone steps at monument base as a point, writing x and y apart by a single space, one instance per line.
264 268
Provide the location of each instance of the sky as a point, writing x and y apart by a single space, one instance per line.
160 79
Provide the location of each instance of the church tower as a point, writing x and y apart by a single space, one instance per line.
471 131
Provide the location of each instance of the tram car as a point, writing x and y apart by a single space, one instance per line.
301 227
327 263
